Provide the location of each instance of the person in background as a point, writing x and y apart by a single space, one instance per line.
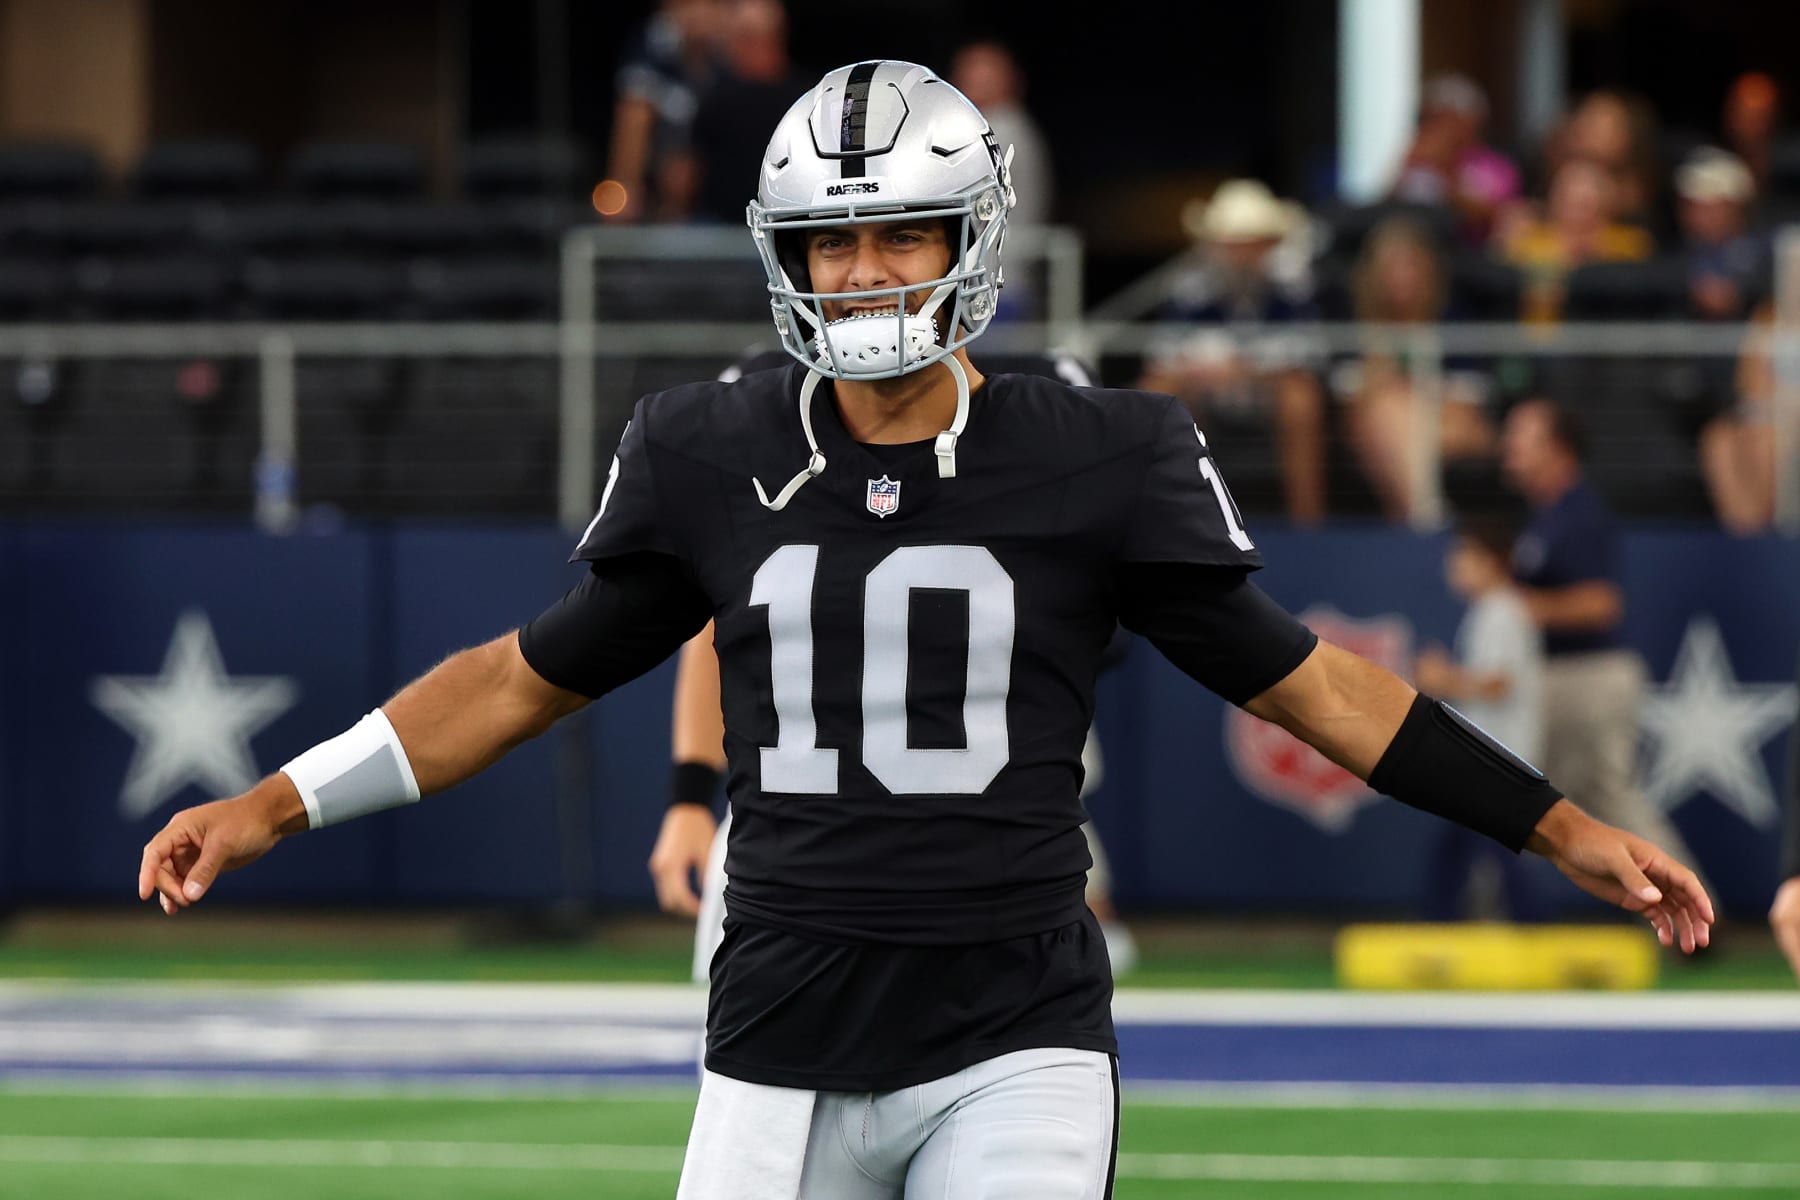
752 91
988 74
1784 914
1728 262
658 90
1728 266
1618 132
1448 163
1579 227
1399 279
1496 680
1570 571
1229 352
1752 115
1737 447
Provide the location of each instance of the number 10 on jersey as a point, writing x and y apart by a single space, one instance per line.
797 763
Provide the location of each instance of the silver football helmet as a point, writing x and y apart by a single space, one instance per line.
870 142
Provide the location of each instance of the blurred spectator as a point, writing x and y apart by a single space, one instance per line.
1569 566
1737 447
663 71
749 97
1496 680
1399 279
1728 268
1579 227
989 75
1752 114
1727 262
1230 353
1449 164
1618 132
1784 914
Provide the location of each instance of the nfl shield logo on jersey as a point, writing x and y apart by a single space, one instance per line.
884 496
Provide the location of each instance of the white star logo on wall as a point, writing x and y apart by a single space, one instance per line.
1707 730
193 722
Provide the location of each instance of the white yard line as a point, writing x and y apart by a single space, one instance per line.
682 1004
1474 1097
526 1156
1544 1172
1171 1093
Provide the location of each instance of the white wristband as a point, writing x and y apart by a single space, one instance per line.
362 770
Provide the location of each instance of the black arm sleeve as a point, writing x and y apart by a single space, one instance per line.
1214 624
629 614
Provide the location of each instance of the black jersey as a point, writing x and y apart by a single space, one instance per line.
907 668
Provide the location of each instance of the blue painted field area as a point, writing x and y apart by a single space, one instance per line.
563 1036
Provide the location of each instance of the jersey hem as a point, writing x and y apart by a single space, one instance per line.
888 1081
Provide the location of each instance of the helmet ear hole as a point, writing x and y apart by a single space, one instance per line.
790 252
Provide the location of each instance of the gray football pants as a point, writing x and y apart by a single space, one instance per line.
1032 1125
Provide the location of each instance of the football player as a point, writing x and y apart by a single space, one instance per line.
913 571
691 843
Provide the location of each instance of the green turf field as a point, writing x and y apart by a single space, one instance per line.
1746 960
261 1147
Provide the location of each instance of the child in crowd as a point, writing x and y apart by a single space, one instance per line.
1495 680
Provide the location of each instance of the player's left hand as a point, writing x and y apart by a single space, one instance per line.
679 857
1628 871
1784 919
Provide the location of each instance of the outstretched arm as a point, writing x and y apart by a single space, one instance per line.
1353 711
628 614
453 722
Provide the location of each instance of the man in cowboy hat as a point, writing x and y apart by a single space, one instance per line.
1227 356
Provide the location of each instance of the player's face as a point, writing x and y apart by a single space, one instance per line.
864 258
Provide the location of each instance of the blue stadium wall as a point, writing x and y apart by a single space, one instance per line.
1200 808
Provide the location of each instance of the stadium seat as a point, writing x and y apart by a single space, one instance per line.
404 229
367 169
346 410
48 171
160 288
152 435
508 289
276 227
346 404
109 227
1640 413
476 435
1641 291
526 165
320 289
681 290
197 169
522 225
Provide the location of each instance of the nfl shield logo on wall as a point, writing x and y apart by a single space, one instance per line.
884 496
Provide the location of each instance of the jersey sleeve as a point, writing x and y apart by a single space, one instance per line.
1220 629
630 519
627 615
1184 514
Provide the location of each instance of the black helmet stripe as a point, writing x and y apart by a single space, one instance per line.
856 119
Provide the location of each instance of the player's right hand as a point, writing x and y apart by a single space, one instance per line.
678 860
181 862
1784 919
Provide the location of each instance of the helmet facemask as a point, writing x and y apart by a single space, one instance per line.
957 307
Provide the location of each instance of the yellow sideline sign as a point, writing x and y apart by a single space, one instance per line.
1494 957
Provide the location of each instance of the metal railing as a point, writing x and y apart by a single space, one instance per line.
584 337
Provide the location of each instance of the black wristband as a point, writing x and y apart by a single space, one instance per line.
693 783
1443 763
